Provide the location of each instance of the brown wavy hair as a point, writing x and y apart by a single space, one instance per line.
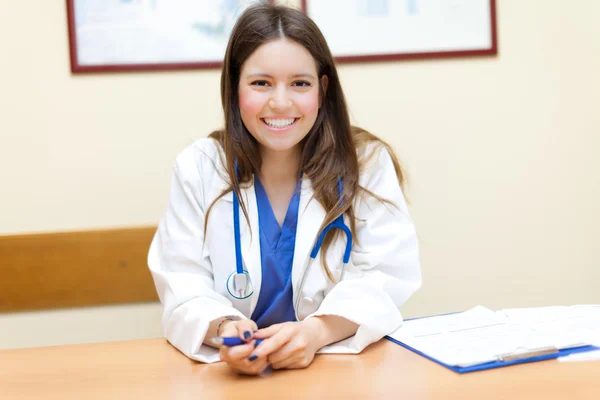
330 149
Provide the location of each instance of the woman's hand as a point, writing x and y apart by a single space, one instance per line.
238 357
290 344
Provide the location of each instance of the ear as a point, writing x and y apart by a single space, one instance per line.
324 84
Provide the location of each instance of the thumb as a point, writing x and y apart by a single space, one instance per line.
245 329
267 332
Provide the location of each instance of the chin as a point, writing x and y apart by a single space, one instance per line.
280 145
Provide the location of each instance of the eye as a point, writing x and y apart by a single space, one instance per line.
301 84
260 83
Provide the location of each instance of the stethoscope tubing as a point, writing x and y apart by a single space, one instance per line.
237 235
338 223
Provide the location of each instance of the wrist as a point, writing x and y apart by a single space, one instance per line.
317 330
223 323
327 329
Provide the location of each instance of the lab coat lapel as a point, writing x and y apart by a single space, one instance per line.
310 217
250 241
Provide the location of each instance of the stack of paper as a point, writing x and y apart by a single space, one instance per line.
567 323
481 335
586 356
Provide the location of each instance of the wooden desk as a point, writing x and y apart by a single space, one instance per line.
152 369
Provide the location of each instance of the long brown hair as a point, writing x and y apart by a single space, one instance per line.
329 150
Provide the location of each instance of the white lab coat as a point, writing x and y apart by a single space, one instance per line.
190 269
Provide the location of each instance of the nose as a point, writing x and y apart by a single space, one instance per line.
280 101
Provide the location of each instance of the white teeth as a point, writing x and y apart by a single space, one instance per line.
279 123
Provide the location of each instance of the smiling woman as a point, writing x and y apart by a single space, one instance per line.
279 95
290 160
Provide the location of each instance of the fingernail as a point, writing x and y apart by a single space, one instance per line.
252 357
247 335
257 342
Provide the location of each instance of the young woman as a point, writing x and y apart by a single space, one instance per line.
248 246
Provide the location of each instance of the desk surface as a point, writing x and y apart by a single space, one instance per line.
152 369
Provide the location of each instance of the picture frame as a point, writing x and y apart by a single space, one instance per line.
149 35
381 30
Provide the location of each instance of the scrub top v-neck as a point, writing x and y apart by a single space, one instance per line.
277 243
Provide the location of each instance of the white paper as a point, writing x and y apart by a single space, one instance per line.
584 356
481 335
474 318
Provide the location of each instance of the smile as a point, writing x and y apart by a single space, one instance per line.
279 123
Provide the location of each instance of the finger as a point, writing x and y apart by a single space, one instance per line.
300 364
287 351
224 354
259 365
274 343
229 329
236 353
246 328
287 362
268 332
242 329
251 367
248 365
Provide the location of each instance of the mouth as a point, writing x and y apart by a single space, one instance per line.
279 124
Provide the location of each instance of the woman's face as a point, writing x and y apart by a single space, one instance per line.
279 94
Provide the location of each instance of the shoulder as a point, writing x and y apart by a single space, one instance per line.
202 151
202 162
204 156
380 177
373 159
373 154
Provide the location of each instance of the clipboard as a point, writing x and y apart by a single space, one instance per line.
507 360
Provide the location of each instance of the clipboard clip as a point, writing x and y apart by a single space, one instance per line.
518 355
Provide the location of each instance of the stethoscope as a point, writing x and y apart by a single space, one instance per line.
239 283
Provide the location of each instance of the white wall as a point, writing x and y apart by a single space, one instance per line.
500 152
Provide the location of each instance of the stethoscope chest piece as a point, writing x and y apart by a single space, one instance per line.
239 285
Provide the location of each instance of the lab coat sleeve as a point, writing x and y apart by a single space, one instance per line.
384 269
180 264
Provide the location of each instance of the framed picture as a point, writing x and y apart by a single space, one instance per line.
148 35
372 30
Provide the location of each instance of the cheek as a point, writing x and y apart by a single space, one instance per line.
250 102
308 105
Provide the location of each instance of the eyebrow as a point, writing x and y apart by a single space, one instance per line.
301 75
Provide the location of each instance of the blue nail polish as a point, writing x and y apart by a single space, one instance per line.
247 335
252 357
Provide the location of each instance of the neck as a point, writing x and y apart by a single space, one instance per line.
280 166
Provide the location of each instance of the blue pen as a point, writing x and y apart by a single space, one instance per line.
232 341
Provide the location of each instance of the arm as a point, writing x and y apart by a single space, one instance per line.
384 268
181 267
330 329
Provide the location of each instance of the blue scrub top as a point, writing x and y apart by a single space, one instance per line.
277 243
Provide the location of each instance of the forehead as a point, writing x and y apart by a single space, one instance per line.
281 57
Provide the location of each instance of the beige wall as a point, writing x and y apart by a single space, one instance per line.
500 152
